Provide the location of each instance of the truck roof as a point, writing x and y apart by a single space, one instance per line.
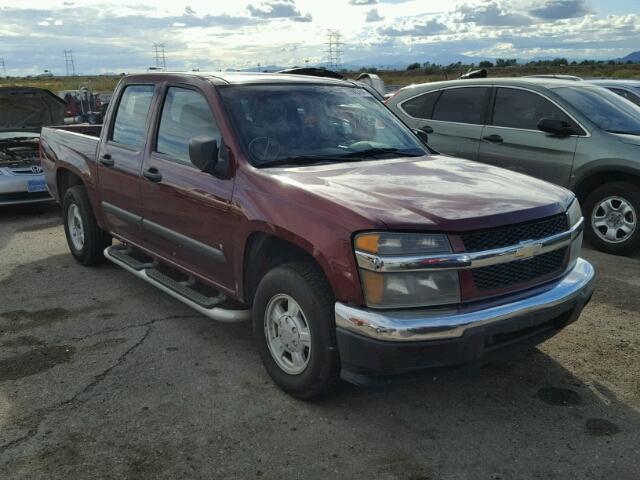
241 78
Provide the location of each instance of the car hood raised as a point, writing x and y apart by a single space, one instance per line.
29 108
431 192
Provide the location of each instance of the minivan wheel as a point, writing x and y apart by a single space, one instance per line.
85 238
294 328
611 212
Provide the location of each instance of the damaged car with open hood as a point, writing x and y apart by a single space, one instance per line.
23 113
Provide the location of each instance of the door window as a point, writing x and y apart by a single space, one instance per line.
521 109
185 115
461 105
131 117
422 105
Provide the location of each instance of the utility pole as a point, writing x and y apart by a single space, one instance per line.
334 49
161 57
69 64
3 67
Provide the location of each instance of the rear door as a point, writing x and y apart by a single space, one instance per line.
186 211
120 160
512 139
453 118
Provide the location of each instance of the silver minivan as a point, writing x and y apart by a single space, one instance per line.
574 134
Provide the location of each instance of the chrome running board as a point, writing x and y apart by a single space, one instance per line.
180 290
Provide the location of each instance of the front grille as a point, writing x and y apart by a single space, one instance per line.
23 171
505 275
20 196
514 234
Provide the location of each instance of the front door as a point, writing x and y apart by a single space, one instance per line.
186 211
512 139
120 159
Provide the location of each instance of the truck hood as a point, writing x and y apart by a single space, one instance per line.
29 109
430 192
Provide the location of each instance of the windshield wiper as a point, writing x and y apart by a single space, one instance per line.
371 152
299 160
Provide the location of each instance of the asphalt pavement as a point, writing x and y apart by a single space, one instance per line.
104 377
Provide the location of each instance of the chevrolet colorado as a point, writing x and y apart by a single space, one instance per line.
304 204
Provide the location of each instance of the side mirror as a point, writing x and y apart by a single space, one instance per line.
208 156
559 128
422 135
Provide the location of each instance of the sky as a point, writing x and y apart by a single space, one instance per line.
118 36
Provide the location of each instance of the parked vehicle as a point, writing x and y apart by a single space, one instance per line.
571 133
629 89
23 112
83 106
304 204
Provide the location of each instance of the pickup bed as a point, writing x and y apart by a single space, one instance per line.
305 205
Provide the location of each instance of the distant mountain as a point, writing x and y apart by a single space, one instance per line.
634 57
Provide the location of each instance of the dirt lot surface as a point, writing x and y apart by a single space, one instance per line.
102 376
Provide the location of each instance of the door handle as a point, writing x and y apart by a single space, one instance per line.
106 160
427 129
493 139
152 174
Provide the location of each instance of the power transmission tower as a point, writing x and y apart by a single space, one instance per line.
161 57
3 67
69 63
334 49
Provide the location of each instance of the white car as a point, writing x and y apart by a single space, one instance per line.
23 112
629 89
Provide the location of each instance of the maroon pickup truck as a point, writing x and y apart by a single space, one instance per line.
303 204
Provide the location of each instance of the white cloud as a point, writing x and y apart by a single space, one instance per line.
239 33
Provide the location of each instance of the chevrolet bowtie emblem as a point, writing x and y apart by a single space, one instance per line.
528 249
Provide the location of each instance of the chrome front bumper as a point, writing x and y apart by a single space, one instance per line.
573 291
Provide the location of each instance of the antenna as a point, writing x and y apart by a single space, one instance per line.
69 63
334 49
3 67
161 57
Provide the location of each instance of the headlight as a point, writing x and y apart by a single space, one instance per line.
406 289
574 214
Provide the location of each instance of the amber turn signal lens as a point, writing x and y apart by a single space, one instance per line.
368 242
373 287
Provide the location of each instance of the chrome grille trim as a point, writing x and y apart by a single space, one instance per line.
463 261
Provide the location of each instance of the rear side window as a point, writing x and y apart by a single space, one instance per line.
521 109
131 117
462 105
422 105
185 115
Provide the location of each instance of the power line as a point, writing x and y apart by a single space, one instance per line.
69 63
334 49
160 54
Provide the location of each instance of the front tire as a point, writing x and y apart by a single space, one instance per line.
85 238
294 326
611 212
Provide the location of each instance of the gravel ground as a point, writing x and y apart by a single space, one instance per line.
102 376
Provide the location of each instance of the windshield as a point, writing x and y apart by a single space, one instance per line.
604 108
305 124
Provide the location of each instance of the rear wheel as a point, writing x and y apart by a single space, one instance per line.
611 212
85 238
295 330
